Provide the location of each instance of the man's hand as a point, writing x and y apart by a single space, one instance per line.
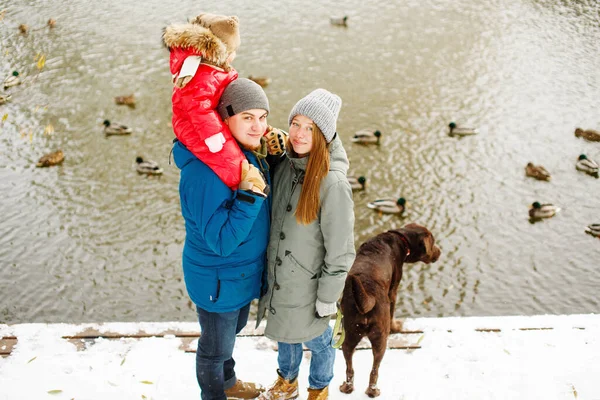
276 141
253 179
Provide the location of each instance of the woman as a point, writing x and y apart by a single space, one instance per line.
311 246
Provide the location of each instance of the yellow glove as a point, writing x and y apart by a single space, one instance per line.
276 141
252 179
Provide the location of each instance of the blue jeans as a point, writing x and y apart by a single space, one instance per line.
321 361
214 361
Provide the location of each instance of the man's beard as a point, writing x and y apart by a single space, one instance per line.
248 147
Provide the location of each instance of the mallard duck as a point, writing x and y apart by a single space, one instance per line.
12 80
24 29
357 183
50 159
112 128
588 134
339 21
537 210
456 130
537 172
263 81
593 229
147 167
4 99
388 206
586 165
366 136
51 23
128 100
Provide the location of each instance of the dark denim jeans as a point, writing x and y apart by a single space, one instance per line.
321 361
214 361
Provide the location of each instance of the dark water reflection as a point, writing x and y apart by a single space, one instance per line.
93 241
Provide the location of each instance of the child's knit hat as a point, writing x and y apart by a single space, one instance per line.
323 107
224 27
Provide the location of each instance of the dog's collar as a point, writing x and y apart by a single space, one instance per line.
405 241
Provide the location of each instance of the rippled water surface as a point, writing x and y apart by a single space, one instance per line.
92 240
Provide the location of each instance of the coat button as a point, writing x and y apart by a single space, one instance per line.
272 310
282 236
278 261
277 287
243 275
288 208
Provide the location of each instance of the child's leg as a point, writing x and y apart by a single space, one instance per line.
289 357
322 360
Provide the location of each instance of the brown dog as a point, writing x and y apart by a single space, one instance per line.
369 297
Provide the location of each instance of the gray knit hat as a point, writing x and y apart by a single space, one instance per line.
242 95
323 108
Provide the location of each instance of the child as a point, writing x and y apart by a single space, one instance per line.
201 53
311 247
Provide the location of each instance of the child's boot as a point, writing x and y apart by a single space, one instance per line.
282 389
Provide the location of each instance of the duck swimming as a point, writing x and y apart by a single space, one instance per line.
128 100
357 183
147 167
593 229
263 81
12 80
456 130
112 128
339 21
537 171
388 206
50 159
538 211
588 134
4 99
366 136
586 165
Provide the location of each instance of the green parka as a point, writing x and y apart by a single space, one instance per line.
307 261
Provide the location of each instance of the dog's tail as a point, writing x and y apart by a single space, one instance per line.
364 301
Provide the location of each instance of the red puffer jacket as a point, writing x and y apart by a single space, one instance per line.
195 118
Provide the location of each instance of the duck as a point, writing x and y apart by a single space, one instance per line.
367 136
112 128
50 159
147 167
24 29
263 81
537 171
339 21
538 211
51 23
4 99
388 206
587 165
456 130
357 183
588 134
593 229
128 100
12 80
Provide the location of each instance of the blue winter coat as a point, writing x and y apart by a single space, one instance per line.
227 233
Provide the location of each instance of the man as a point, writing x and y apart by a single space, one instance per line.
227 232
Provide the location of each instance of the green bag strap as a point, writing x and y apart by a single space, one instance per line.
338 329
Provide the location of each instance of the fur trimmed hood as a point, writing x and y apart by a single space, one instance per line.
197 38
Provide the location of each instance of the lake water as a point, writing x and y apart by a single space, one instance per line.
92 240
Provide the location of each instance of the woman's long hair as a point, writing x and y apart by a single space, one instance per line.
316 170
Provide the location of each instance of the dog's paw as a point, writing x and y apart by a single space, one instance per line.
395 326
347 387
372 391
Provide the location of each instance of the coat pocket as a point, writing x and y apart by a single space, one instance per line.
297 287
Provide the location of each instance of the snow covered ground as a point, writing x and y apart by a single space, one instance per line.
539 357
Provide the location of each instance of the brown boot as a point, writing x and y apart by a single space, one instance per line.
318 394
244 390
282 389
